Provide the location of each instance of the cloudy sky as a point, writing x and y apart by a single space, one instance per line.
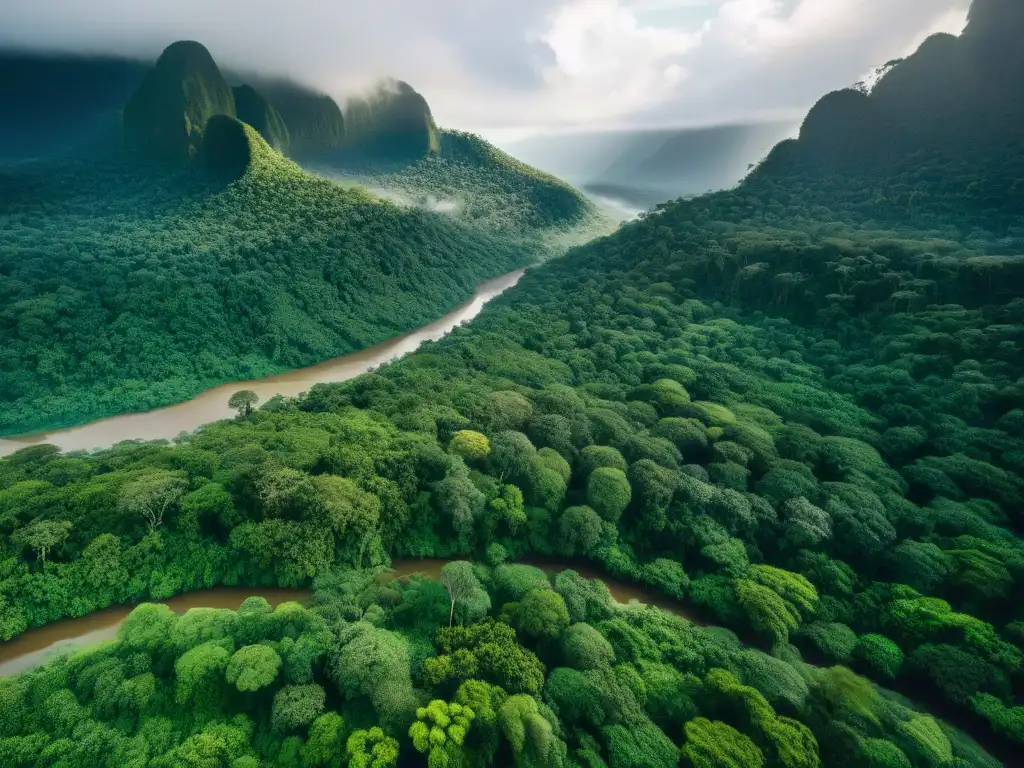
507 68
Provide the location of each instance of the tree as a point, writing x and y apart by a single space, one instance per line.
375 663
508 507
609 492
512 457
460 498
42 536
439 732
243 402
583 647
642 743
594 456
296 706
485 700
253 667
470 445
579 531
534 742
198 670
542 614
667 576
324 745
805 524
150 495
514 580
713 744
767 611
462 584
371 748
586 599
879 655
488 651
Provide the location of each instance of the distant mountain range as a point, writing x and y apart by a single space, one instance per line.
644 167
53 102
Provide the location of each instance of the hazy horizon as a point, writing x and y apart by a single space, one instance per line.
535 67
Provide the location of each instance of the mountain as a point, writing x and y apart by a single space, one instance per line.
789 412
471 181
313 119
643 167
392 122
929 102
166 115
142 281
254 109
230 146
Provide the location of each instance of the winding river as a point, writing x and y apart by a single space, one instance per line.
32 648
36 646
211 405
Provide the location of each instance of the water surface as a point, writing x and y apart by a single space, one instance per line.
32 648
211 405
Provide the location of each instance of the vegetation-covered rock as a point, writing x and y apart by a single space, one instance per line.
392 123
165 117
252 108
313 120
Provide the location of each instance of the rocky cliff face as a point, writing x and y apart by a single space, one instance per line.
255 110
394 121
958 96
165 117
314 120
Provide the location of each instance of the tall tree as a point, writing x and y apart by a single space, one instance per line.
460 581
243 402
42 536
152 494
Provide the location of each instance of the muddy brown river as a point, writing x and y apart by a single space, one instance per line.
211 405
33 647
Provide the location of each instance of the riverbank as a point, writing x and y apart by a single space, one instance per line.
34 646
37 646
212 405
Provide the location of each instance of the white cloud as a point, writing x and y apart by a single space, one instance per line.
607 64
530 64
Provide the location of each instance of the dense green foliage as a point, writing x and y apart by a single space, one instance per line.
128 284
835 481
796 406
128 287
357 678
476 183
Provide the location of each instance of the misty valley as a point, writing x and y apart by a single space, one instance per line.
333 436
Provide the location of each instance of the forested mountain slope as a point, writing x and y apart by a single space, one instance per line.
841 490
178 280
137 277
796 406
474 182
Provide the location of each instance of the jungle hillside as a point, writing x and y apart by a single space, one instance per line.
172 246
793 409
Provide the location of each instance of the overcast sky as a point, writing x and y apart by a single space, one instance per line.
510 67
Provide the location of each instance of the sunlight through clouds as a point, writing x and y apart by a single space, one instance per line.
491 65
